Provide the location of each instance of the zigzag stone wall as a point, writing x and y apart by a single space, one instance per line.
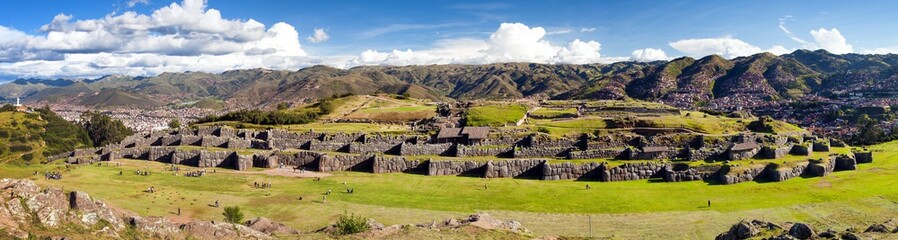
536 152
514 168
475 151
442 149
383 164
595 153
567 170
455 168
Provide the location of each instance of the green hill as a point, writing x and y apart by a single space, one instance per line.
31 137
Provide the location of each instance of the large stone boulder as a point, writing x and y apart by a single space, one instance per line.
93 211
801 231
156 227
221 230
741 230
51 207
269 227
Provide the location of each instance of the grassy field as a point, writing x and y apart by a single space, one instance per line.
628 209
553 112
495 115
20 137
380 108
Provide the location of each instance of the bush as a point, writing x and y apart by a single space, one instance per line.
233 215
174 124
351 224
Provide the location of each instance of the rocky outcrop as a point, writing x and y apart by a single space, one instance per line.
25 206
757 229
269 227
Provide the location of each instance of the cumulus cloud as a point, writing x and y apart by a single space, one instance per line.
511 42
318 36
726 46
186 36
190 36
831 40
648 55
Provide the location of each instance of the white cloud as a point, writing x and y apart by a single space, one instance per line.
579 52
881 50
648 55
184 36
562 31
831 40
318 36
511 42
789 33
587 29
727 47
132 3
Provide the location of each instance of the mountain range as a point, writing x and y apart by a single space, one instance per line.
683 82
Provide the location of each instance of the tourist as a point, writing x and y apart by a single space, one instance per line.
216 203
709 203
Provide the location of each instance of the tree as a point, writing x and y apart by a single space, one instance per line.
103 129
174 124
233 215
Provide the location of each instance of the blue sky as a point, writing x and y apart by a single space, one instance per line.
367 32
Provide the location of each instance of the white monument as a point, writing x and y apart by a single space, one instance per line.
17 103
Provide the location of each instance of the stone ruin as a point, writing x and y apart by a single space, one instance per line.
532 156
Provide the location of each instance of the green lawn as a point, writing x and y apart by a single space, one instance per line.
553 112
667 210
495 115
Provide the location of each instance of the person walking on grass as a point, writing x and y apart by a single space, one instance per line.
709 203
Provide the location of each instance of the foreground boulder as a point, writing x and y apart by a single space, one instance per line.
25 206
801 231
269 227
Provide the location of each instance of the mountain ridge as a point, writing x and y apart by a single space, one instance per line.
683 82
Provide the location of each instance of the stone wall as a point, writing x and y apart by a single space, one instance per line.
595 153
525 168
455 168
634 171
822 168
323 146
777 173
657 155
160 154
374 147
568 170
821 146
863 157
213 141
844 162
705 154
772 152
734 154
190 158
733 175
801 150
477 151
442 149
345 162
385 164
286 143
536 152
683 173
